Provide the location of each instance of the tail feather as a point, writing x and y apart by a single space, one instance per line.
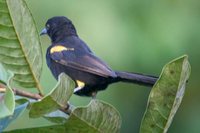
137 78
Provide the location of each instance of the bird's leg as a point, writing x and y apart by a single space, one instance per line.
80 85
94 95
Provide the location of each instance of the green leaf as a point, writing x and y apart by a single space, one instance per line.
97 117
58 117
7 120
166 96
7 103
7 100
4 75
57 98
47 129
20 49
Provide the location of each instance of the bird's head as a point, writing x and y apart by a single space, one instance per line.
58 28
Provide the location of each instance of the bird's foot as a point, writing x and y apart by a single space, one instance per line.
94 95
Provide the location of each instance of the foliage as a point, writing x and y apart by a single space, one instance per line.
58 97
21 54
19 42
7 101
166 96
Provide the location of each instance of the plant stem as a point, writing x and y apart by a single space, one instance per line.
23 93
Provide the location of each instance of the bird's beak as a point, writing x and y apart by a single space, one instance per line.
43 32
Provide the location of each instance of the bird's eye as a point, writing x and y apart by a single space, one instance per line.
47 26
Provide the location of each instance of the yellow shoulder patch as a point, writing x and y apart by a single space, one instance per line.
59 48
80 83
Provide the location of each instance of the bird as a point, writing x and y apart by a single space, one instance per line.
69 54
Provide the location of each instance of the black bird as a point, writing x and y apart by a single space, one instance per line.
69 54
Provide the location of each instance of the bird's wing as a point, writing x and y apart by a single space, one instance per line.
86 62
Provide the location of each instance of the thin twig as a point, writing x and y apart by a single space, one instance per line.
22 93
27 94
2 90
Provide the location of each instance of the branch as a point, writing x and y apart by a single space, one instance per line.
27 94
22 93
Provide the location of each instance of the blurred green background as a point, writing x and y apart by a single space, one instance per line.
132 35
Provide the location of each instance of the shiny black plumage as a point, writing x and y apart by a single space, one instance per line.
79 62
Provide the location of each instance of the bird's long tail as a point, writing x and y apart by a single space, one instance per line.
136 78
